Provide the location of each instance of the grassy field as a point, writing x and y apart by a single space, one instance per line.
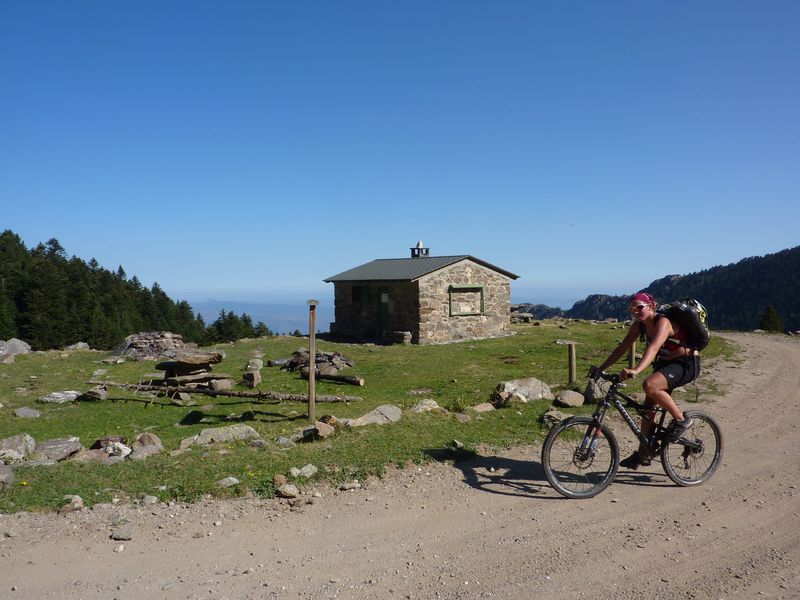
457 376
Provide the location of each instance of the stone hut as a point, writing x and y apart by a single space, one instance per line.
422 299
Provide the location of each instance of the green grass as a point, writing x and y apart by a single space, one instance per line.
457 376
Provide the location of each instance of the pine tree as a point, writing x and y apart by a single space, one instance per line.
771 320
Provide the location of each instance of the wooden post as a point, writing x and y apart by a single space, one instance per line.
571 349
312 354
632 356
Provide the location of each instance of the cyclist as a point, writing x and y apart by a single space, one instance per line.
675 365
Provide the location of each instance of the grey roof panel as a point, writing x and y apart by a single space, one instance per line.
406 269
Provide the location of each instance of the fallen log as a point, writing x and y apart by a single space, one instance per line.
174 389
341 378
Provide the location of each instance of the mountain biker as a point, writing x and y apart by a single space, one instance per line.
675 365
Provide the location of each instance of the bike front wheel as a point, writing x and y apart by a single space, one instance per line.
693 464
580 460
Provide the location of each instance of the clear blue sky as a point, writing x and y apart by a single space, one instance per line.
248 150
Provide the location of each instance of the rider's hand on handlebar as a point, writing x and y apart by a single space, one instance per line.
626 374
593 373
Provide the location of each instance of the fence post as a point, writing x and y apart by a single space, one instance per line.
632 356
572 369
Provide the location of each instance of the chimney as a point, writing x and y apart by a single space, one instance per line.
419 250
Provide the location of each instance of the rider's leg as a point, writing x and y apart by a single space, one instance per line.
656 389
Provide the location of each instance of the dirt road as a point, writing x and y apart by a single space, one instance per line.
488 529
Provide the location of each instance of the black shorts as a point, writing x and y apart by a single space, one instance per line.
678 372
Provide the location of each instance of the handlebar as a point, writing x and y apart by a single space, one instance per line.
613 378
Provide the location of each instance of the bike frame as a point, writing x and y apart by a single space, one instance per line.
612 398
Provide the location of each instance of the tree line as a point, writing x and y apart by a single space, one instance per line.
50 300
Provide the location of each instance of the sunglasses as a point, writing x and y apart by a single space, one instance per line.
636 307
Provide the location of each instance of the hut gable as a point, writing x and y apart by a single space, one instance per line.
422 299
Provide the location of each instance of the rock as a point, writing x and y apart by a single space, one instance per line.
553 417
596 390
6 476
146 444
117 449
228 482
569 398
231 433
384 414
483 407
307 471
149 500
425 405
124 533
221 384
148 345
285 442
13 347
60 397
252 378
279 479
16 448
287 490
58 449
337 424
521 390
23 412
350 485
98 392
319 430
80 346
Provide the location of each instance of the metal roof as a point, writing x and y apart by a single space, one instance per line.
407 269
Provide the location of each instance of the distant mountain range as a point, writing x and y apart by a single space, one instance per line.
282 318
736 295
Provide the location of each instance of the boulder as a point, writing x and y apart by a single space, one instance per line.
569 398
231 433
58 449
386 413
521 391
426 405
16 448
60 397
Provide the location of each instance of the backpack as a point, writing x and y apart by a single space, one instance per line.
692 317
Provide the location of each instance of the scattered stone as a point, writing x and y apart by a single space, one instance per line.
25 412
80 346
252 378
6 476
221 384
350 485
149 500
553 417
520 391
596 390
124 533
386 413
285 442
307 471
228 482
231 433
146 444
58 449
60 397
16 448
287 490
426 405
569 398
9 349
148 345
483 407
98 392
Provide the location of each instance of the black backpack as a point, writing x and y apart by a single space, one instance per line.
692 317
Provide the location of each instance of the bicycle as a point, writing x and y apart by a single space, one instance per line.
580 455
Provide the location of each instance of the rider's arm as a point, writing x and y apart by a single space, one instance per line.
663 331
622 348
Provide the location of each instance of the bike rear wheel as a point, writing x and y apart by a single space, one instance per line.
687 465
574 469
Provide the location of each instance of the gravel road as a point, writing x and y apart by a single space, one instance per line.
490 528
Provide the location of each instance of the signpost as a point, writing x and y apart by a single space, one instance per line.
312 355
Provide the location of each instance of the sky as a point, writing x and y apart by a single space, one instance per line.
248 150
